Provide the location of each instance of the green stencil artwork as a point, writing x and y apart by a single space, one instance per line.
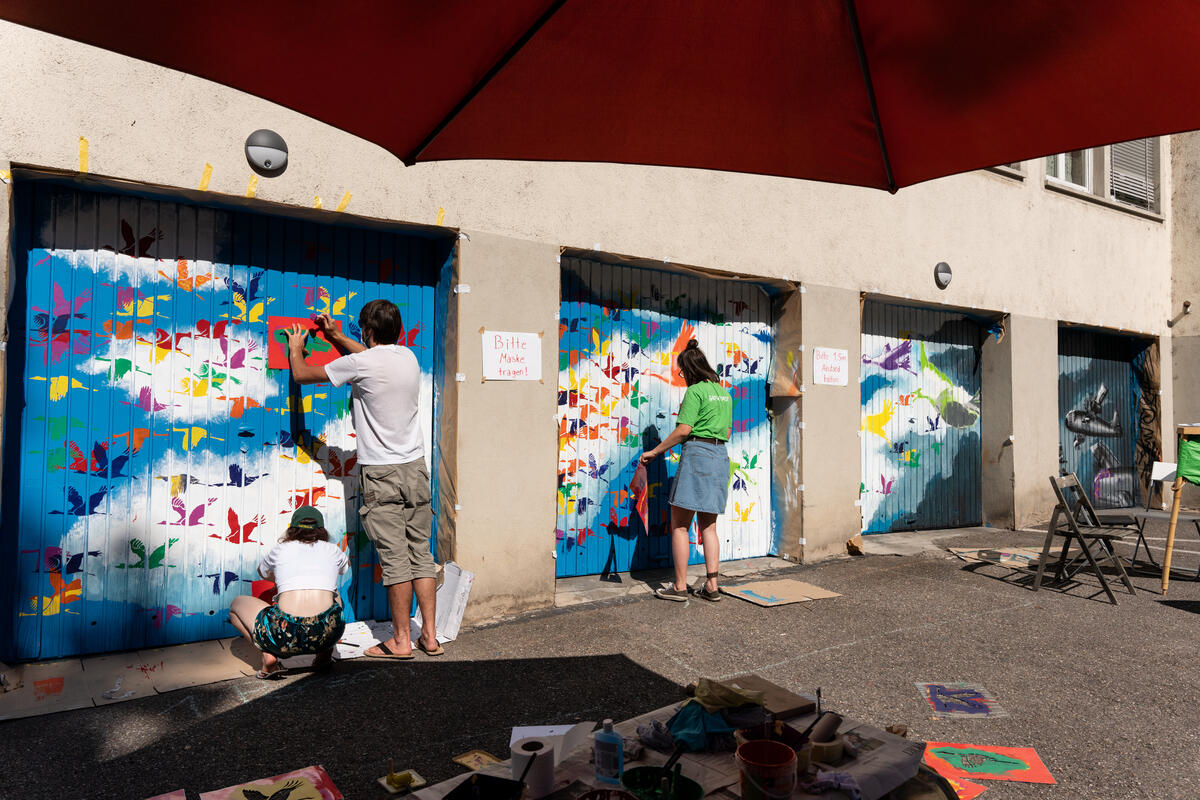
979 762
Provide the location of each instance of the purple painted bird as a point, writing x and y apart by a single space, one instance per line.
892 359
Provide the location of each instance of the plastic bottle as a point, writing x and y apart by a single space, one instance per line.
609 754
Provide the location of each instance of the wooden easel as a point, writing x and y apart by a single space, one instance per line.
1183 432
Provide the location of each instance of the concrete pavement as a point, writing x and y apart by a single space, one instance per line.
1106 694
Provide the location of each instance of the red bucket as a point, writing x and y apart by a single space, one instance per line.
768 770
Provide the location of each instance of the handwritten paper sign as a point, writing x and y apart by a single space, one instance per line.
509 356
831 367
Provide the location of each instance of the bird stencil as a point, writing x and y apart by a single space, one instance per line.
217 577
240 533
184 279
146 402
52 329
238 478
136 248
282 793
76 506
157 556
186 518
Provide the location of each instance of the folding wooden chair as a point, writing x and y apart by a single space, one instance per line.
1082 526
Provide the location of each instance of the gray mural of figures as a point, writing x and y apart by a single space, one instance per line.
1098 422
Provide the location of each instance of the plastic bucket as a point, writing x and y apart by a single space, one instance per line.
768 770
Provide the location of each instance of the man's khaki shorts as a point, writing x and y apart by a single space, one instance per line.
398 518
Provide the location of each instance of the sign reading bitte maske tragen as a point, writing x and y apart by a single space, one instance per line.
509 356
831 367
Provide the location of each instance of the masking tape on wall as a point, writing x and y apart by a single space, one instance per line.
441 215
205 177
83 154
252 187
345 201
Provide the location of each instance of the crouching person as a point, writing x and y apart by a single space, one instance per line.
306 617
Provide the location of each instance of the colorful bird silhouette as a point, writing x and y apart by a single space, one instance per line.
282 793
180 482
238 478
227 577
146 401
186 518
52 329
239 533
136 248
156 559
184 279
76 506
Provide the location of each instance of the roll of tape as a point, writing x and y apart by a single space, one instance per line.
540 777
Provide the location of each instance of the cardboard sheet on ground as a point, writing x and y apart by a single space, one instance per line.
184 665
778 592
958 700
116 678
318 351
564 738
46 688
310 783
1007 556
985 762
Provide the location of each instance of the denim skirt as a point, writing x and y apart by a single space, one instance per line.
702 482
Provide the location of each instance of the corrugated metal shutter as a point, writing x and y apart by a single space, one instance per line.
1098 420
158 456
921 452
619 329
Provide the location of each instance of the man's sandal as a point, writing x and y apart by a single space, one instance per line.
388 654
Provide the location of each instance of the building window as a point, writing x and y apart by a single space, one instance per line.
1074 168
1133 175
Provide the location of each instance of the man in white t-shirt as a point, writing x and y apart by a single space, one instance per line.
385 381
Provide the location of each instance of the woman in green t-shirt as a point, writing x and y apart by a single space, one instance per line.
701 484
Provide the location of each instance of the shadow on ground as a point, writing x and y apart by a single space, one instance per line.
351 721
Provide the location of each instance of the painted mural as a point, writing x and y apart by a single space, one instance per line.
920 429
1099 419
159 454
620 329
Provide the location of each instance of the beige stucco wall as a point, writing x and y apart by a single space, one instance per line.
1185 285
507 430
1014 246
831 449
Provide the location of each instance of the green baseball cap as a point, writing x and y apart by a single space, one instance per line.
307 517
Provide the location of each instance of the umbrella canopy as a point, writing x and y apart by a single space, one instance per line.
872 93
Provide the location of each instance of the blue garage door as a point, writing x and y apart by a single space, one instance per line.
618 394
920 430
1098 418
152 455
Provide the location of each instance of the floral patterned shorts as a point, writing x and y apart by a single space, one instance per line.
284 636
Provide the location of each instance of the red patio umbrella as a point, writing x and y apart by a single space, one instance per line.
874 93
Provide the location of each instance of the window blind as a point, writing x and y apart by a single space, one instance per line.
1134 174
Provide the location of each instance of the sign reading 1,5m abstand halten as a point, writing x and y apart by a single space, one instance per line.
830 366
509 356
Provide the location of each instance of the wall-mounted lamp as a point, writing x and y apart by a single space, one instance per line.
942 274
267 153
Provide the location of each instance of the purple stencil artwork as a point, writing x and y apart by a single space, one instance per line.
959 700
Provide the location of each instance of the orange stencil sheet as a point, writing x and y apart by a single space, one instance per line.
984 762
318 351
